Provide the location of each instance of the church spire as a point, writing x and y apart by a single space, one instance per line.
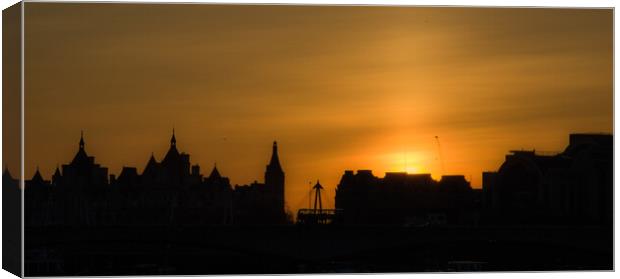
173 140
81 157
274 163
82 139
173 153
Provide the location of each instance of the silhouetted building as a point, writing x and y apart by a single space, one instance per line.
77 195
82 174
170 192
571 187
11 222
405 199
38 195
260 203
167 219
274 188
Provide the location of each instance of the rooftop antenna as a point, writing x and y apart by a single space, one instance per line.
443 171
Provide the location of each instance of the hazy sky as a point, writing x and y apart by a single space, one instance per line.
338 87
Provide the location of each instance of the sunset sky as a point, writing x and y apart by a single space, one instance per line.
338 87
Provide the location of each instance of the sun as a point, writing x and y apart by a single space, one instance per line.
412 162
412 169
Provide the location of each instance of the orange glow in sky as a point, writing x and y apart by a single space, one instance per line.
338 87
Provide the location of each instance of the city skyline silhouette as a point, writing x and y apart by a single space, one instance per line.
145 175
293 202
273 139
568 193
339 87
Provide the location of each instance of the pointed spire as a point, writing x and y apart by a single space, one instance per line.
81 157
215 173
82 139
37 175
6 174
274 163
151 165
173 140
151 160
57 172
173 154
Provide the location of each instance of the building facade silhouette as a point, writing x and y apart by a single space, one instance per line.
574 187
263 202
404 199
172 219
167 192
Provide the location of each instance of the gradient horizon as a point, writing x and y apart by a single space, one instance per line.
338 87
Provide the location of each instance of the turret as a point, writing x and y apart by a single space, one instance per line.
173 140
274 183
81 158
81 139
175 165
274 163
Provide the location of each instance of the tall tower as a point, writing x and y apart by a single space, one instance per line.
175 165
274 184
